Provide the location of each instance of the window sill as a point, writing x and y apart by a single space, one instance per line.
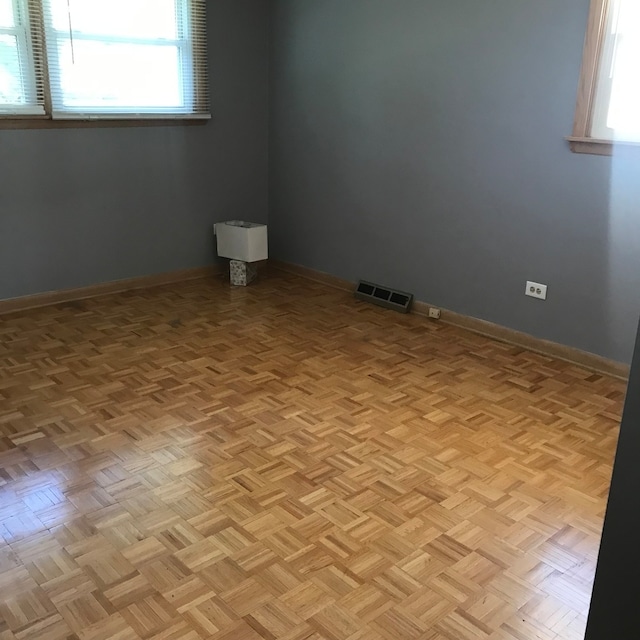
31 122
597 147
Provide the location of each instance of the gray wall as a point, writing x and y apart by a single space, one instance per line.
80 206
419 143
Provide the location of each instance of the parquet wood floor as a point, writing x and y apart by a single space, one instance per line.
283 462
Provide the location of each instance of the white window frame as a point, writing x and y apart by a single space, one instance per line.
41 58
594 86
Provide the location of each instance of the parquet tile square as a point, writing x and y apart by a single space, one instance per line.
83 611
281 462
460 624
181 630
14 581
149 615
276 619
200 554
127 591
145 550
105 567
44 569
366 602
114 627
66 587
238 631
246 596
490 610
22 609
398 623
428 606
8 559
335 622
422 566
307 599
254 558
188 593
397 584
52 627
279 578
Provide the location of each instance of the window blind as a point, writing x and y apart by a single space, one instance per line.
126 58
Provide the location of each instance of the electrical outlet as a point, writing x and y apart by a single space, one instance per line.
536 290
434 313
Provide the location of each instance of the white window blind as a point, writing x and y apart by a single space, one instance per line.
616 114
21 87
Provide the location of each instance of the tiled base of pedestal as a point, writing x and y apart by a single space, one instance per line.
242 273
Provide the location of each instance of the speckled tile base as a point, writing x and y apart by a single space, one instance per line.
242 273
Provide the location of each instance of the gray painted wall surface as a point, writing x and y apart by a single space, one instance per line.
81 206
419 143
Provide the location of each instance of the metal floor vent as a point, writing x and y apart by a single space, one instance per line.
383 296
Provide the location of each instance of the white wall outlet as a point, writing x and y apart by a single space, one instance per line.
434 313
536 290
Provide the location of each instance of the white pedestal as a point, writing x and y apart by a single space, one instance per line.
242 273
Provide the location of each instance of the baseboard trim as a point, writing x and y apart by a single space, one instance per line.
312 274
583 359
48 298
580 358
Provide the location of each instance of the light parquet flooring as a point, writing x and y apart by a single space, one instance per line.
282 462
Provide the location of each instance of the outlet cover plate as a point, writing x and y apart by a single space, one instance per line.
536 290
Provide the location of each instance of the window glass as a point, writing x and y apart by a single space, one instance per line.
6 14
117 18
113 75
11 88
623 114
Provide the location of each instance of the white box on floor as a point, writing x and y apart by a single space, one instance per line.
239 240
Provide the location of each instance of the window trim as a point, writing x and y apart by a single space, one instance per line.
40 60
581 141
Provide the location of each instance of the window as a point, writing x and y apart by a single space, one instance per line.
19 92
608 108
103 59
